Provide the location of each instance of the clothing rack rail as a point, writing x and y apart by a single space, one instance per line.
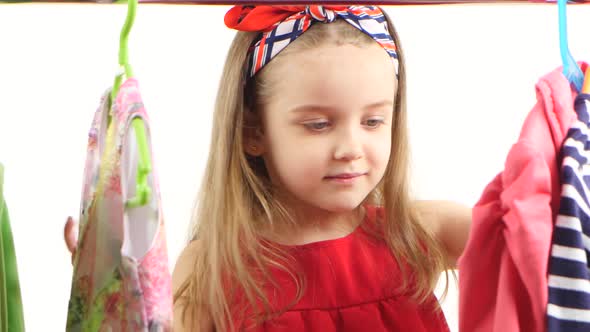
299 2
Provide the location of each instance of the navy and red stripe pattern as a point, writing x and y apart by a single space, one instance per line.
292 21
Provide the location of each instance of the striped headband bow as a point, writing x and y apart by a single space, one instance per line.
280 25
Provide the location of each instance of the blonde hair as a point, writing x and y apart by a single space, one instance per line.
236 196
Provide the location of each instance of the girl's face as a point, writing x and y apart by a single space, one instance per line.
327 124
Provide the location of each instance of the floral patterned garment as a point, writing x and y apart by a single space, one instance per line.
121 276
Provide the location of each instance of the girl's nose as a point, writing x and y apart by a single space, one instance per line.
348 146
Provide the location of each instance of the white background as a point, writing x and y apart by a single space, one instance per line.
471 76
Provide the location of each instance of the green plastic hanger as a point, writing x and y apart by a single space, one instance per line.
144 167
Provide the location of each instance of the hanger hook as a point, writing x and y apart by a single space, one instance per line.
123 47
571 70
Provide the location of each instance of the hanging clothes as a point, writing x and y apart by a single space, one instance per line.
503 269
121 276
11 306
569 277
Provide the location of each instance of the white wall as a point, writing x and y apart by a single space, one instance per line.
471 80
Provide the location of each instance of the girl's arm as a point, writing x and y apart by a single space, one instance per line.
449 222
182 271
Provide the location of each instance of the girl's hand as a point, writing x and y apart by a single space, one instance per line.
71 235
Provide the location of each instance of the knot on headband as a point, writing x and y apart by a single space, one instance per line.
264 18
321 13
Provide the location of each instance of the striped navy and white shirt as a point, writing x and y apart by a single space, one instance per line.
569 276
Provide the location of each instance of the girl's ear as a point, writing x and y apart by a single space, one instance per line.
253 134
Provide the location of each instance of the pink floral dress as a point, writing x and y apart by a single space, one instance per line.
121 278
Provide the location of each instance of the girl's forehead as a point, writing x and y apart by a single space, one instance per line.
333 76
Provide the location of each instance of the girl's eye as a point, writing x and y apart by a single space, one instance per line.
374 123
317 126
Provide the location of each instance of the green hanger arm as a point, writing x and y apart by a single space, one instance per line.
144 167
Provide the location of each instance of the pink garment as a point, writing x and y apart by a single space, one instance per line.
503 270
121 280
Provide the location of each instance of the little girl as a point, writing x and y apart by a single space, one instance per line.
304 221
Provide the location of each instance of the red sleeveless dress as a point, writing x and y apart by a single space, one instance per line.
351 285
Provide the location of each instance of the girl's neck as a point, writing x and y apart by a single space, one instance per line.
312 224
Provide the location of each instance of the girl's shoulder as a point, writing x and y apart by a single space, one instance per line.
184 264
183 271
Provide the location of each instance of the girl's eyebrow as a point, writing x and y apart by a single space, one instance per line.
385 102
320 108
